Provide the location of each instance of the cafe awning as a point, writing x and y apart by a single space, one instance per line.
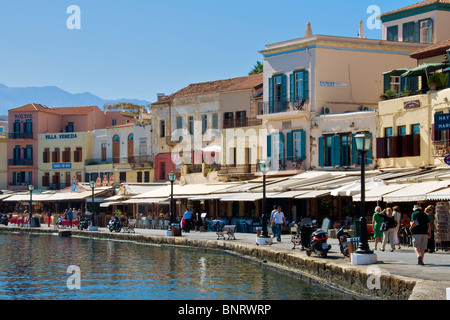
245 197
26 197
107 204
146 200
314 194
355 188
443 194
287 194
424 69
415 191
378 193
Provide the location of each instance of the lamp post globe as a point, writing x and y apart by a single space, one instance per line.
172 178
31 188
264 167
92 185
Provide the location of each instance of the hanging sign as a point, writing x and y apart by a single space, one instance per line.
447 159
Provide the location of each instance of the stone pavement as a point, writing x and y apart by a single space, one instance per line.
429 281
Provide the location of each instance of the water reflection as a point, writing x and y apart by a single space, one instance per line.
35 267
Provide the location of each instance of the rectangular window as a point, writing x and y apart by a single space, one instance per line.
162 129
29 126
392 33
17 126
46 179
426 31
204 123
139 176
146 176
409 32
401 130
70 127
46 155
191 125
78 154
215 121
298 137
345 149
122 177
103 146
66 155
114 122
179 122
388 134
328 150
56 155
396 84
415 129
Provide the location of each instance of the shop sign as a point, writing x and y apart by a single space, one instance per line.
333 84
411 104
447 159
441 121
61 136
57 166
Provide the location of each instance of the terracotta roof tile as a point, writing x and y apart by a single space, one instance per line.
415 6
432 50
64 110
32 107
210 87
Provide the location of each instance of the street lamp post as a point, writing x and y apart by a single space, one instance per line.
264 167
92 227
363 142
172 178
31 188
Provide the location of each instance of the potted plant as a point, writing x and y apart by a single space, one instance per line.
390 94
438 80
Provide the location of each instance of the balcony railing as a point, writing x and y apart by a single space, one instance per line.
20 162
241 122
441 148
281 106
142 159
20 135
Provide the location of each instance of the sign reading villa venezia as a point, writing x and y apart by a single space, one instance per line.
441 121
61 136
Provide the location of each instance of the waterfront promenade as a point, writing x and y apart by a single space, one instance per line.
396 275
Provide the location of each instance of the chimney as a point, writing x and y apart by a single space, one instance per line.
361 30
160 96
308 32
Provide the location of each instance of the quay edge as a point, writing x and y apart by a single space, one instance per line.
349 278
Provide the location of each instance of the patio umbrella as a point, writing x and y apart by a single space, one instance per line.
424 68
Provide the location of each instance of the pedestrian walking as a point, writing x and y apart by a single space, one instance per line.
279 221
377 220
273 226
421 232
70 216
398 218
388 234
187 216
431 245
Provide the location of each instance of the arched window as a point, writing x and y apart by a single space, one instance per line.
116 149
116 138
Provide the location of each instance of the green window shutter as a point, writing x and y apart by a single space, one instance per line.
336 151
305 84
369 153
354 151
416 31
271 95
290 146
283 88
281 147
292 87
302 154
320 146
387 83
413 84
403 82
269 146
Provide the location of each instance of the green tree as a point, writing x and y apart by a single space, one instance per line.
257 68
126 106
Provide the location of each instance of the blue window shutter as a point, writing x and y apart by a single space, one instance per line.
292 87
387 83
281 147
290 146
403 82
283 88
413 83
336 151
302 144
369 153
305 84
354 151
271 95
321 163
430 30
269 146
416 31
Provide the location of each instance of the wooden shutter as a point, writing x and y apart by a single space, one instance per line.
271 95
393 146
302 145
369 154
292 87
417 31
336 151
407 145
269 146
354 151
321 151
416 145
283 90
281 147
305 84
290 146
430 30
387 83
381 148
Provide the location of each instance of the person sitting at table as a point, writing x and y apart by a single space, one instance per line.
59 221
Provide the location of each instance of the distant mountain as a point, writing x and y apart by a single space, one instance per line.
52 97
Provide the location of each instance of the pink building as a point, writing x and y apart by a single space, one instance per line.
28 121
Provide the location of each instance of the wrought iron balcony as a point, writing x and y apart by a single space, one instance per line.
20 135
267 107
20 162
241 122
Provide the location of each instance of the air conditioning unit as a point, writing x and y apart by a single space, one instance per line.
326 110
361 108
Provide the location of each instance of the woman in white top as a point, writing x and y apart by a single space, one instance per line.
278 219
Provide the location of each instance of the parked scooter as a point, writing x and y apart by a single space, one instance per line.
305 230
4 219
84 223
318 243
114 224
342 238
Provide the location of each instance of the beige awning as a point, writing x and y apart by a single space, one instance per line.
245 197
415 191
26 197
443 194
378 193
314 194
107 204
287 194
145 200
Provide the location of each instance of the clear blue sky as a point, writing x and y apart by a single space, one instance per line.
137 48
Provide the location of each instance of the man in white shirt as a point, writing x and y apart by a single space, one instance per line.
278 220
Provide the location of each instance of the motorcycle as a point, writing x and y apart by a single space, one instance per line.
84 223
318 243
4 219
114 225
342 238
305 230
